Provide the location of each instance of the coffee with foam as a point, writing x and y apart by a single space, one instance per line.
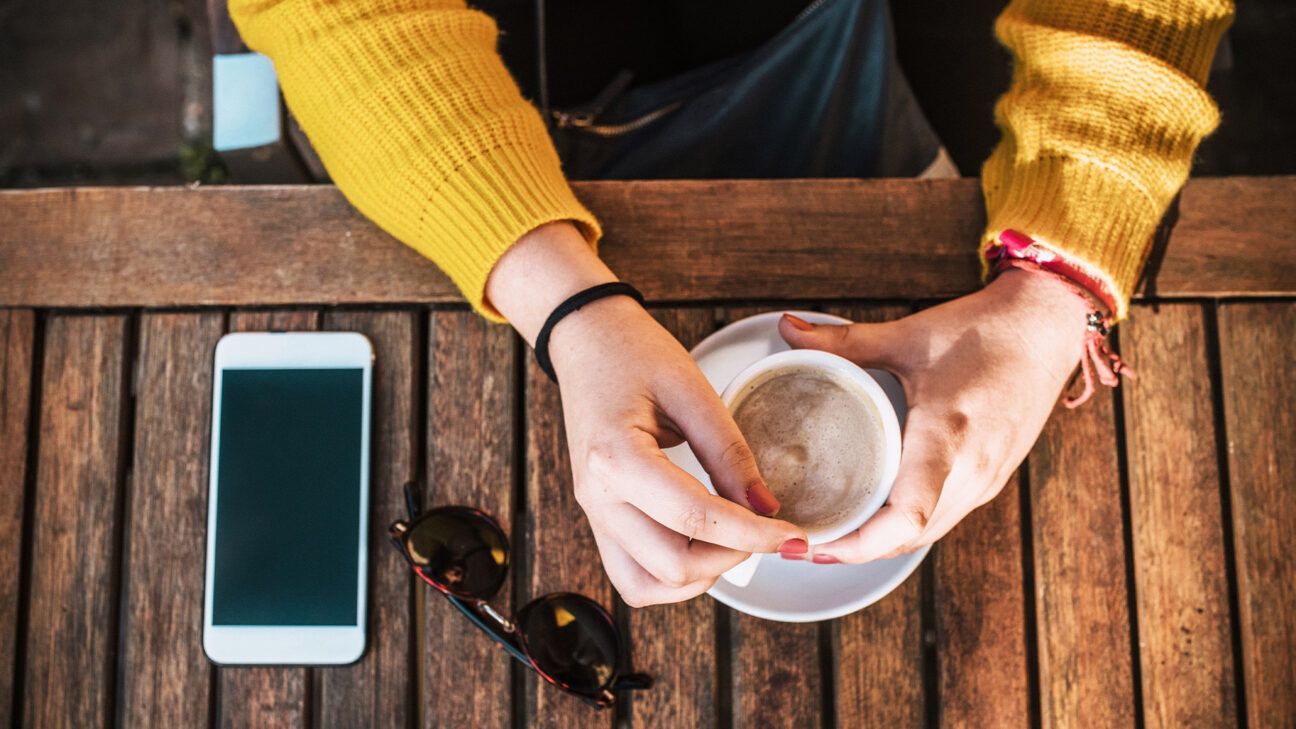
818 441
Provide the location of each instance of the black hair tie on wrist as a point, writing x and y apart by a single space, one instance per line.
574 302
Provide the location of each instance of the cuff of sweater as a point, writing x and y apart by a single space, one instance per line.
1085 211
477 214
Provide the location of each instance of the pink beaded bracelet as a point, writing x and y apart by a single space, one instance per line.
1015 250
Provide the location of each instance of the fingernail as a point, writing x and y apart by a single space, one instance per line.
790 557
825 559
760 498
794 546
798 322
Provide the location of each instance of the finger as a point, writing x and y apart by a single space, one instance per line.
972 491
944 519
967 488
868 345
970 485
674 499
669 557
637 587
904 519
719 446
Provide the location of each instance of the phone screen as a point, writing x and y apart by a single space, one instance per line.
288 497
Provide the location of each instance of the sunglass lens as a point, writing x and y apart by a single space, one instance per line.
572 640
461 549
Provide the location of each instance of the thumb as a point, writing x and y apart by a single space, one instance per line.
867 345
719 446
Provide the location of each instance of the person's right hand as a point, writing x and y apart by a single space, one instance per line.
629 389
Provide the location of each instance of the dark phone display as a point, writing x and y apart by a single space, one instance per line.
288 497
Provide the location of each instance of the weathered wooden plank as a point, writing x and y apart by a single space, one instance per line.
266 696
274 320
72 606
1082 610
980 617
879 649
775 669
879 661
470 427
1179 551
561 551
753 239
774 666
17 341
379 689
1257 349
165 676
676 643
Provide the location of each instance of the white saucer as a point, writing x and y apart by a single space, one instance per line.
792 591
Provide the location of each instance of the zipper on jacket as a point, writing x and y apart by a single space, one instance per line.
613 130
584 118
808 9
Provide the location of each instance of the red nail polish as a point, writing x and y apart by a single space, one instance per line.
760 498
794 546
790 557
825 559
798 322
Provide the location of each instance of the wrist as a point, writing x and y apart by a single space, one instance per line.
1042 297
540 271
606 324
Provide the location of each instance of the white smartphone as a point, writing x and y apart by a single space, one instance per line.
288 506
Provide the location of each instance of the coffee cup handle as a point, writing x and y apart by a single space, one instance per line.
740 575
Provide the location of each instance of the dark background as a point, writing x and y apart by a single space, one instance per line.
118 92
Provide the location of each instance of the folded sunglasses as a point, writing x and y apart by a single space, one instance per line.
569 639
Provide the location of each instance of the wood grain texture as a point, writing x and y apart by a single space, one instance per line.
879 664
167 679
470 430
775 673
17 342
379 689
753 239
879 650
1257 352
774 667
676 643
72 605
274 320
562 554
1082 610
980 617
266 696
1179 551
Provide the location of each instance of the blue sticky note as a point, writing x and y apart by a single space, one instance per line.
245 101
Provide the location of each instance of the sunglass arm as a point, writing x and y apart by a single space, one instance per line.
411 501
501 632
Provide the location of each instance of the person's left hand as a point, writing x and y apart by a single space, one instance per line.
981 374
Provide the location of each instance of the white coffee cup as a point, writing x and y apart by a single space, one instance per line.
844 369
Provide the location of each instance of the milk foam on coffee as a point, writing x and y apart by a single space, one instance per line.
818 442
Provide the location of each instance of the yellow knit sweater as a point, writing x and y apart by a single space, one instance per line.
413 113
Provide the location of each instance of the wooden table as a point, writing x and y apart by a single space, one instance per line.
1136 571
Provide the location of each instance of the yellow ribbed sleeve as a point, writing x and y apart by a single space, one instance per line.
1099 126
420 125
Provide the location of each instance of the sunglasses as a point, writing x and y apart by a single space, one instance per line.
568 639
